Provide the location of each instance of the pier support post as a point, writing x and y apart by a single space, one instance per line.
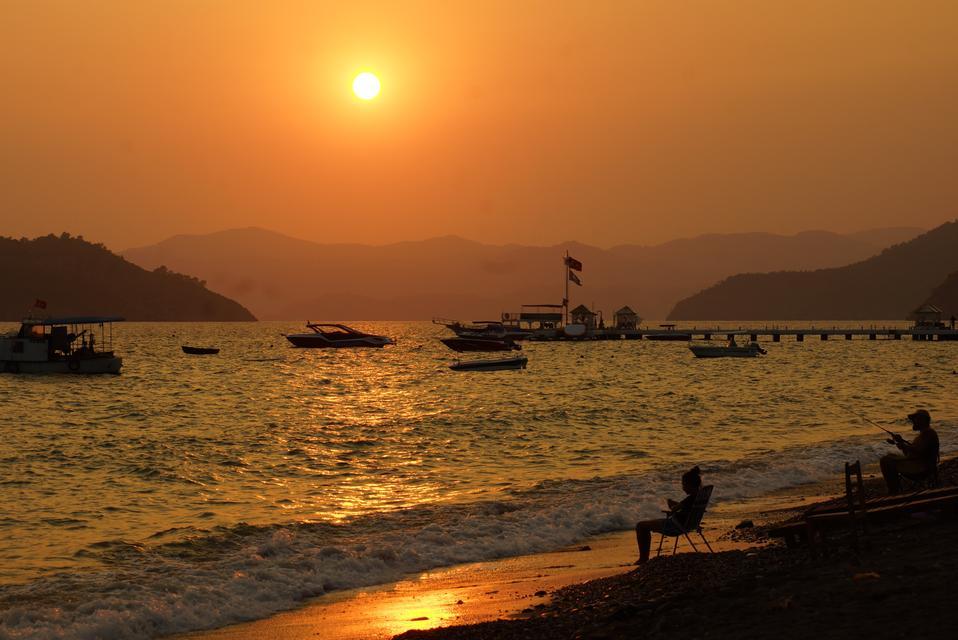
707 336
824 336
848 336
897 335
776 337
800 337
872 336
754 337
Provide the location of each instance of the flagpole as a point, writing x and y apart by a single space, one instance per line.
565 300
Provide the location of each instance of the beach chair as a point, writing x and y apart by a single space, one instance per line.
693 523
928 479
855 503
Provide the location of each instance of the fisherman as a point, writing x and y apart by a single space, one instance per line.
678 512
918 458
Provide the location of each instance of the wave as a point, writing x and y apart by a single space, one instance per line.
208 579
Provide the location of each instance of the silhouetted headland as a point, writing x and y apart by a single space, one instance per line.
887 286
76 277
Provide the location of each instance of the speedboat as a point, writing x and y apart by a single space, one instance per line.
518 362
61 345
336 336
480 344
730 350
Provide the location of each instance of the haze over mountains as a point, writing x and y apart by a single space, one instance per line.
279 277
76 277
887 286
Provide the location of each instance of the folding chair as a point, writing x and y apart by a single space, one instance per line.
675 529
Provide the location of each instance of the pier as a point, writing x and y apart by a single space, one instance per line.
773 333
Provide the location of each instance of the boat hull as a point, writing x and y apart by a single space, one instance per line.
724 352
479 344
506 364
200 351
111 365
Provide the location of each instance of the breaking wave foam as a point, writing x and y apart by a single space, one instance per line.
247 572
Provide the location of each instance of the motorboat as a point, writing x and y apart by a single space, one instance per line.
199 351
480 344
730 350
335 336
77 344
491 329
504 364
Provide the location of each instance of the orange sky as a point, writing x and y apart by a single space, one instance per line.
531 122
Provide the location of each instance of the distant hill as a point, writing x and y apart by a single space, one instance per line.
76 277
945 296
885 287
280 277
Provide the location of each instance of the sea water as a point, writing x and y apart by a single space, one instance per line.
195 491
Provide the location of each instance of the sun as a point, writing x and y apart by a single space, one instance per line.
366 86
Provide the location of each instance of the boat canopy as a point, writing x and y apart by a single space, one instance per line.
47 322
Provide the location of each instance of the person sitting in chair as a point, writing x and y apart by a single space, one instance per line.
691 483
918 458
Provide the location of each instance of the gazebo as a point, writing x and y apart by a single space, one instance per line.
626 318
583 315
927 316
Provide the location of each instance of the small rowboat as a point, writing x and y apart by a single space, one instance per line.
505 364
200 351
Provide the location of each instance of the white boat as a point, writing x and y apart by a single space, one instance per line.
336 336
730 350
61 345
503 364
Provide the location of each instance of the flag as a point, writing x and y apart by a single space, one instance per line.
39 304
575 278
572 263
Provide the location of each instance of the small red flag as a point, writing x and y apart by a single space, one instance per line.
40 304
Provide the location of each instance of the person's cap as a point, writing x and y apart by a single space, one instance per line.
920 416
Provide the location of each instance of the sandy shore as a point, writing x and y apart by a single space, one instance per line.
897 585
593 590
474 593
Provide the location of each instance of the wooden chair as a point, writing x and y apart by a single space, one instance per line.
693 523
856 514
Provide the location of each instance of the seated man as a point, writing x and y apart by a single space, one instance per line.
920 456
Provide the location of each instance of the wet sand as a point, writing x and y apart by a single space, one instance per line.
467 594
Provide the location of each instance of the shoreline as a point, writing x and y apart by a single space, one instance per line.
504 589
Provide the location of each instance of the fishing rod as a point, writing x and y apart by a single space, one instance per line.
860 416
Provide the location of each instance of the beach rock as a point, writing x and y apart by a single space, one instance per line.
745 524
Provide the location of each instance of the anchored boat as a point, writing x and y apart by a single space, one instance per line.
336 336
199 351
80 344
730 350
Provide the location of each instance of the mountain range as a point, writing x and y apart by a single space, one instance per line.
75 277
887 286
280 277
